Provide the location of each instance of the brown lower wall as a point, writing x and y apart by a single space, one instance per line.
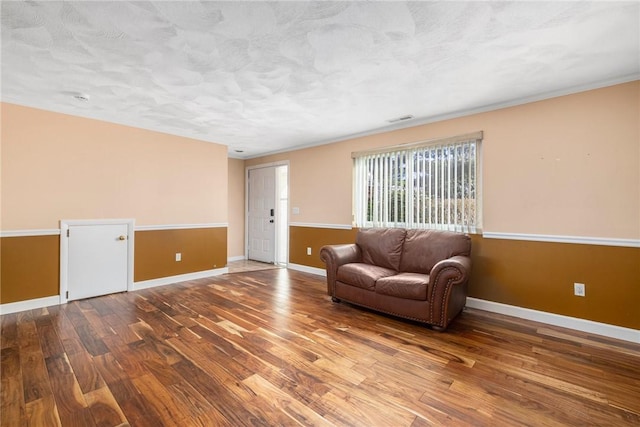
534 275
30 268
540 276
30 265
300 238
201 248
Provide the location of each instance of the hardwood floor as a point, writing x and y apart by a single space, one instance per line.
270 348
246 265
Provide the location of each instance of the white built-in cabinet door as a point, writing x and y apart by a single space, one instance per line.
97 260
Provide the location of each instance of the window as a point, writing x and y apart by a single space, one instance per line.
433 184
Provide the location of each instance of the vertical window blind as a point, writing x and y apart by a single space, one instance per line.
432 184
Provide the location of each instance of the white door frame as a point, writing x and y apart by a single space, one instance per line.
64 249
278 216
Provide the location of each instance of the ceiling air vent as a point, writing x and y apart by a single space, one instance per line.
401 119
83 97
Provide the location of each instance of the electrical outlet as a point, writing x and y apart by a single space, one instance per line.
178 256
308 251
579 289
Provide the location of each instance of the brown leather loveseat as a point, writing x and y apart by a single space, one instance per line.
416 274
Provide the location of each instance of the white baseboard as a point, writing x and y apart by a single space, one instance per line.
236 258
589 326
30 304
169 280
307 269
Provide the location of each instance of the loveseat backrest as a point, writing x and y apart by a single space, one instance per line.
424 248
381 246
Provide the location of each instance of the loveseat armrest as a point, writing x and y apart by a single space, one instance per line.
336 255
448 288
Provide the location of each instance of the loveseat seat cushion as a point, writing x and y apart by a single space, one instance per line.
424 248
362 275
381 246
404 285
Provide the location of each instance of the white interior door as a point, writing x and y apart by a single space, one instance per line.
261 214
97 260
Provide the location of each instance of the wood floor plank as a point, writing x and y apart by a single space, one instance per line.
43 412
270 348
8 331
35 378
109 368
48 337
301 385
104 408
337 348
101 306
492 404
12 407
135 407
346 409
67 333
403 378
210 359
154 343
161 399
133 356
162 372
90 340
163 325
228 405
85 371
190 398
70 401
10 362
28 338
407 397
211 418
124 332
532 396
99 327
211 333
291 410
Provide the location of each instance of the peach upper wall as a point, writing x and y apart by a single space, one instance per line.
57 166
563 166
235 231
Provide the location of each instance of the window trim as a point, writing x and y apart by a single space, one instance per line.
478 136
390 150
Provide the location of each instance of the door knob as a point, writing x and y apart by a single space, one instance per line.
122 238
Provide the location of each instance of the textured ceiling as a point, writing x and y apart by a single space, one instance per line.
268 76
